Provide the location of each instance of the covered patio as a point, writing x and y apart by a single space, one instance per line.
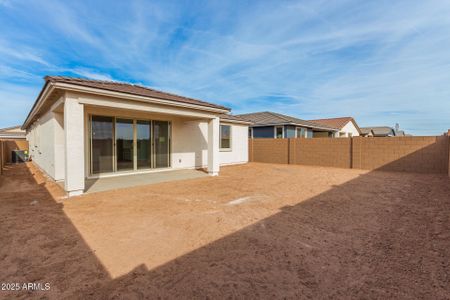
95 185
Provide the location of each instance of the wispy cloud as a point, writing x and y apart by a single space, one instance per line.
381 62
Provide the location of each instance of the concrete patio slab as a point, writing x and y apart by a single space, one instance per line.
125 181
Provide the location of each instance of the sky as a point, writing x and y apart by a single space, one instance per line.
381 62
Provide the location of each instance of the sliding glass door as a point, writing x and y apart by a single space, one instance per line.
162 143
120 144
124 145
143 144
102 137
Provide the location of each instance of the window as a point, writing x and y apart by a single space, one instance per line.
250 133
225 137
279 132
301 132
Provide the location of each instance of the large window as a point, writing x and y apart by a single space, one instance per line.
225 137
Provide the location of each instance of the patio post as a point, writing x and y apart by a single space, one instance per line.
74 146
213 146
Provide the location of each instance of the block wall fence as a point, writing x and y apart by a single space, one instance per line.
402 154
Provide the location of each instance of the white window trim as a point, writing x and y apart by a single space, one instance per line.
275 131
220 139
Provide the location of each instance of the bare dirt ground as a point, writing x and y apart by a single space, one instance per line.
256 231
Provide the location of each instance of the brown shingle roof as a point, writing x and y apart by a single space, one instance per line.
381 130
334 122
272 118
129 88
231 118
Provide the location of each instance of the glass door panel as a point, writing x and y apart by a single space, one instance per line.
124 145
143 144
162 144
102 132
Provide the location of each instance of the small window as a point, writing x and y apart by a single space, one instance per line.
250 133
279 132
225 137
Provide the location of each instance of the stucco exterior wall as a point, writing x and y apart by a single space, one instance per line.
41 138
239 146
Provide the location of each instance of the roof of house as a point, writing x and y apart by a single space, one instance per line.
13 132
233 119
380 130
268 118
337 122
129 88
366 130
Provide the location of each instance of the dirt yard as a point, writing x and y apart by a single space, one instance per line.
256 231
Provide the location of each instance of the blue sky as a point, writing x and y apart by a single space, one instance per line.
381 62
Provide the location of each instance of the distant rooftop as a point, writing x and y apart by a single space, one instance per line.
336 122
268 118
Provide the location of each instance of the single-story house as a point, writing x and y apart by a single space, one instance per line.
380 131
12 133
347 126
80 129
274 125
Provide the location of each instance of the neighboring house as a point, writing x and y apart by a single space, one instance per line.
380 131
347 126
79 129
13 133
274 125
366 132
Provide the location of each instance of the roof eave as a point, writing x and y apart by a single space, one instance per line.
50 86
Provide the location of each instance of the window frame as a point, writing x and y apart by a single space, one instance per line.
220 138
275 132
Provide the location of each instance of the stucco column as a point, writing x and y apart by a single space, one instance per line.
74 146
213 146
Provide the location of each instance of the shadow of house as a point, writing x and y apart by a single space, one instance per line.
387 241
30 232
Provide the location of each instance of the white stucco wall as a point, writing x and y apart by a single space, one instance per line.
41 138
348 128
190 144
239 146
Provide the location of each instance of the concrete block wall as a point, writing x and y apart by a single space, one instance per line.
269 150
325 152
402 154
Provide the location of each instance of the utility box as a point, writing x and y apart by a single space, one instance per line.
19 156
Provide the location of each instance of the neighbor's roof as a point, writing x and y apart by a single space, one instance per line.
233 119
13 132
129 88
268 118
337 122
380 130
366 130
